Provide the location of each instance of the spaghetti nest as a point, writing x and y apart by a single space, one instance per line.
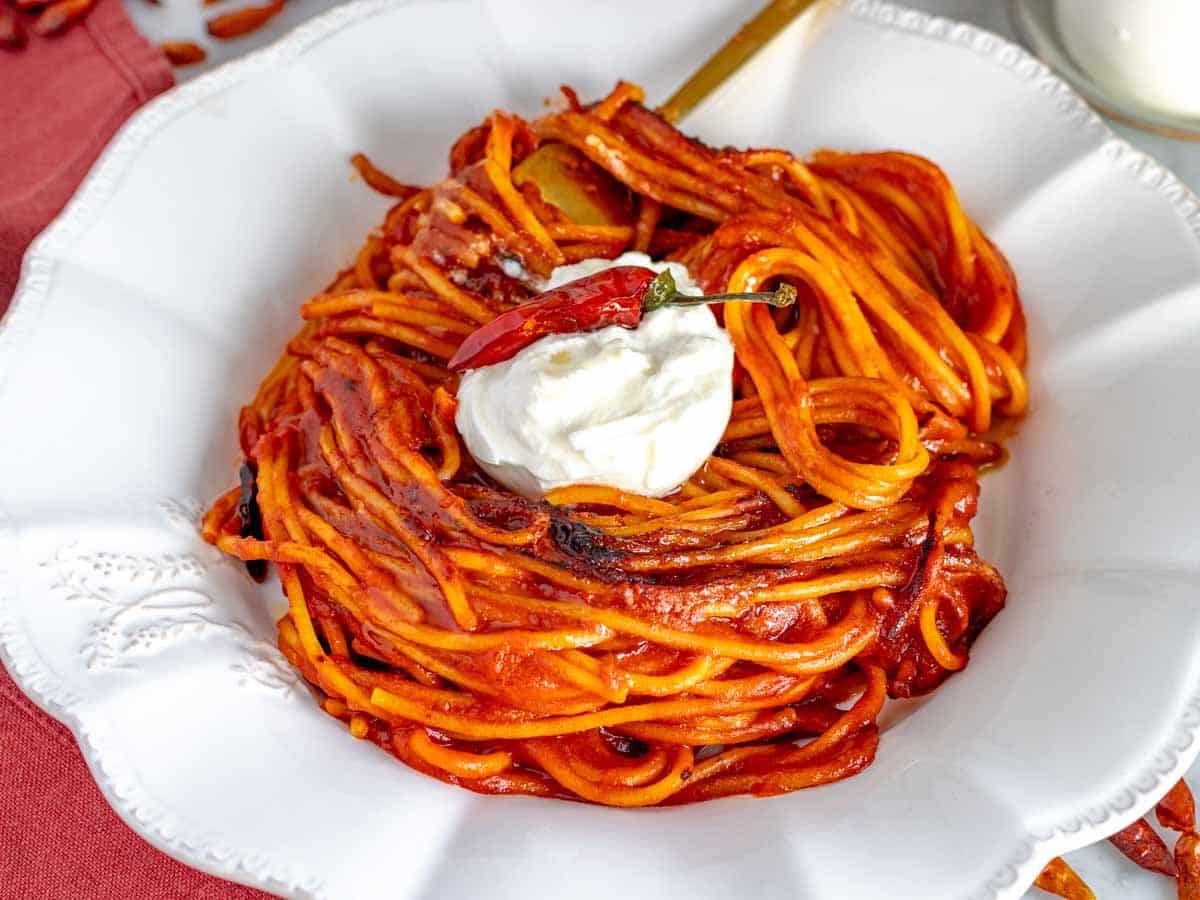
740 636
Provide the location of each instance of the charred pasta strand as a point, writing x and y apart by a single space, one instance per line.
739 636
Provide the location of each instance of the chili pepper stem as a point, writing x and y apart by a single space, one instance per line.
663 292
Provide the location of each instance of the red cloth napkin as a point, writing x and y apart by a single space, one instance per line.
61 99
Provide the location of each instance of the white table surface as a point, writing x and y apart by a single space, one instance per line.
1109 874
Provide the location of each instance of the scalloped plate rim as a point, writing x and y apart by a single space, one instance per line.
38 681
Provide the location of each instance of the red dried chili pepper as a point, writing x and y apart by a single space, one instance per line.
618 296
1187 860
1061 880
60 15
12 32
1177 810
183 53
243 21
1142 844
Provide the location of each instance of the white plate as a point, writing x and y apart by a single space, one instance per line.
155 303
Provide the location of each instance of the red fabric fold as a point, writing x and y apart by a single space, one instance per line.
58 837
63 97
61 100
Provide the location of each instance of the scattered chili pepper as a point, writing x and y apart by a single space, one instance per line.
618 296
1142 844
1177 810
183 53
61 15
1187 861
12 32
243 21
1061 880
251 517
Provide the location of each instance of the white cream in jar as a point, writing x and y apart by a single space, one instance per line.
1142 49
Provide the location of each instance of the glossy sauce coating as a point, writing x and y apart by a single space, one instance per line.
739 636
